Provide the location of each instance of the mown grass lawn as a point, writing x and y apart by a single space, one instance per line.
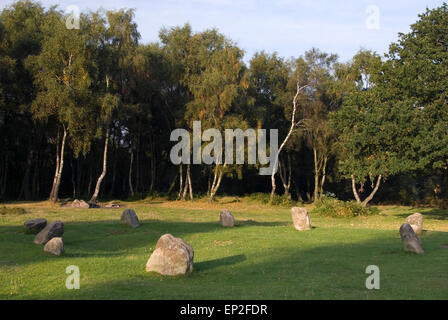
263 257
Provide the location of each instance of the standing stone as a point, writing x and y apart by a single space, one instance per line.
226 218
55 229
411 242
416 222
129 218
300 218
55 246
79 204
172 256
34 226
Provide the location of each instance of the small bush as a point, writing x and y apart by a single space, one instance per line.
260 197
11 211
332 207
439 203
265 198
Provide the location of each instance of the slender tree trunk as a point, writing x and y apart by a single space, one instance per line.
215 178
173 183
53 188
131 188
181 182
316 176
216 181
73 178
35 180
296 188
4 178
25 188
184 193
137 166
372 194
209 182
189 182
78 176
153 166
355 192
89 186
293 124
59 166
103 174
289 176
324 175
285 176
114 170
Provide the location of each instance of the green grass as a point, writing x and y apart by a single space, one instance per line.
263 257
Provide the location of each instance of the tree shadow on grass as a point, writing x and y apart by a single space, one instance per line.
102 238
250 222
435 214
331 271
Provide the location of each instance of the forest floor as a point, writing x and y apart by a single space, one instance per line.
262 257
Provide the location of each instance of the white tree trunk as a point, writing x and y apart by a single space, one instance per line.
103 173
293 124
370 197
355 192
59 166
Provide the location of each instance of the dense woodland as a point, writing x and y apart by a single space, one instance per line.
87 113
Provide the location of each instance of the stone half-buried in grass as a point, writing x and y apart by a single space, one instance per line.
301 219
55 246
129 217
172 257
411 243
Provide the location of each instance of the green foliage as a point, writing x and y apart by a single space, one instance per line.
417 74
279 200
332 207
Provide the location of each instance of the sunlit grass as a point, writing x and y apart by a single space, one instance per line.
263 257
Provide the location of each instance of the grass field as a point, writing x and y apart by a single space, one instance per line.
263 257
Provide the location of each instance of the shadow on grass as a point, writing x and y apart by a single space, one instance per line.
104 238
435 214
250 222
211 264
335 271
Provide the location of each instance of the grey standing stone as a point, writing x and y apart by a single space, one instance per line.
411 243
172 256
300 218
226 219
129 218
34 226
416 222
55 246
54 229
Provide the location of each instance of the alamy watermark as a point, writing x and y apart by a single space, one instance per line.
373 17
212 153
72 19
373 280
72 281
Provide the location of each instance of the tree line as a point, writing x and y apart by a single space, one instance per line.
88 112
